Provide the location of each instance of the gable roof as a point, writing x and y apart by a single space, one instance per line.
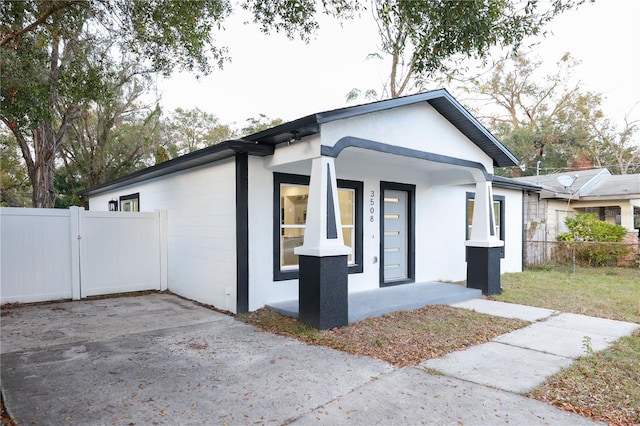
441 100
263 143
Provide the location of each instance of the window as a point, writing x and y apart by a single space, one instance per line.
498 216
130 203
291 194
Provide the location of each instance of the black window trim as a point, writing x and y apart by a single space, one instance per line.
499 198
135 196
280 178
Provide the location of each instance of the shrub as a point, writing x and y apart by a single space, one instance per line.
587 227
593 240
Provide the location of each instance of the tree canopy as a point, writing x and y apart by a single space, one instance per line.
423 39
58 56
546 118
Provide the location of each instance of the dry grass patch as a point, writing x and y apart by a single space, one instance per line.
400 338
604 386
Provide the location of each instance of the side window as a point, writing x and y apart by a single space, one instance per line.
130 203
498 216
291 193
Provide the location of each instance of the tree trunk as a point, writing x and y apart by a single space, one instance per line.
44 143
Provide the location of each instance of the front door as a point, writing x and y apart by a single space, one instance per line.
395 235
396 265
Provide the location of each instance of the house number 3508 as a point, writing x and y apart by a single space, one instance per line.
372 206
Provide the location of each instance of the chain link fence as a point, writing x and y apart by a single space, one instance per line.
582 253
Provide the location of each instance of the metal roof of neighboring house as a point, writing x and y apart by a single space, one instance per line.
263 143
441 100
615 186
594 184
550 183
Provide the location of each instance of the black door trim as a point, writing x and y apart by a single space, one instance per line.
411 226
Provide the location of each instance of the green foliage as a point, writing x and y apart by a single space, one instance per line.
297 17
586 345
594 242
262 122
113 136
587 227
185 131
541 117
425 39
546 118
60 58
15 189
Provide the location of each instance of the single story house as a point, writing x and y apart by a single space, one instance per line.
614 198
387 193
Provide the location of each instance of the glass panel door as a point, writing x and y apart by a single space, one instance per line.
395 216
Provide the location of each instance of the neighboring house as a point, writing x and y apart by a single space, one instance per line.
614 198
399 191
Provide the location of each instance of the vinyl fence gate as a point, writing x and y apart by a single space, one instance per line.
53 254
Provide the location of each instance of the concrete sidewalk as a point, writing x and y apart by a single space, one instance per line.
521 360
159 359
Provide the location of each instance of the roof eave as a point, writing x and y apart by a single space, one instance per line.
210 154
503 182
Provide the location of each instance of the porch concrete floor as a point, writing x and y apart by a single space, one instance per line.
404 297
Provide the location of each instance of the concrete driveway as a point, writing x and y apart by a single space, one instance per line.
159 359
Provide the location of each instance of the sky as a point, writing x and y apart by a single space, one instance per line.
271 75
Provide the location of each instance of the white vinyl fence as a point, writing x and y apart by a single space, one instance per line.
52 254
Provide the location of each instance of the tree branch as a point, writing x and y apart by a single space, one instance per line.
5 196
55 7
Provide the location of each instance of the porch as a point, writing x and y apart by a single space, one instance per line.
383 300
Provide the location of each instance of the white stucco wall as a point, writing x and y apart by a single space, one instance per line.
440 227
200 205
418 126
513 217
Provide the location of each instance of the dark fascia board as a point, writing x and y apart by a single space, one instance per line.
503 182
197 158
462 119
292 130
441 100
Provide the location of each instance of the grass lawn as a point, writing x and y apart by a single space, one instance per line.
606 385
612 293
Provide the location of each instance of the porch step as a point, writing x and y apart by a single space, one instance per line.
403 297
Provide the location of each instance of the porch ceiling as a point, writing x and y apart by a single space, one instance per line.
434 172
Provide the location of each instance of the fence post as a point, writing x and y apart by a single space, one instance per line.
75 228
164 257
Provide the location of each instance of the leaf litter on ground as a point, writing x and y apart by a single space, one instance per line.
400 338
